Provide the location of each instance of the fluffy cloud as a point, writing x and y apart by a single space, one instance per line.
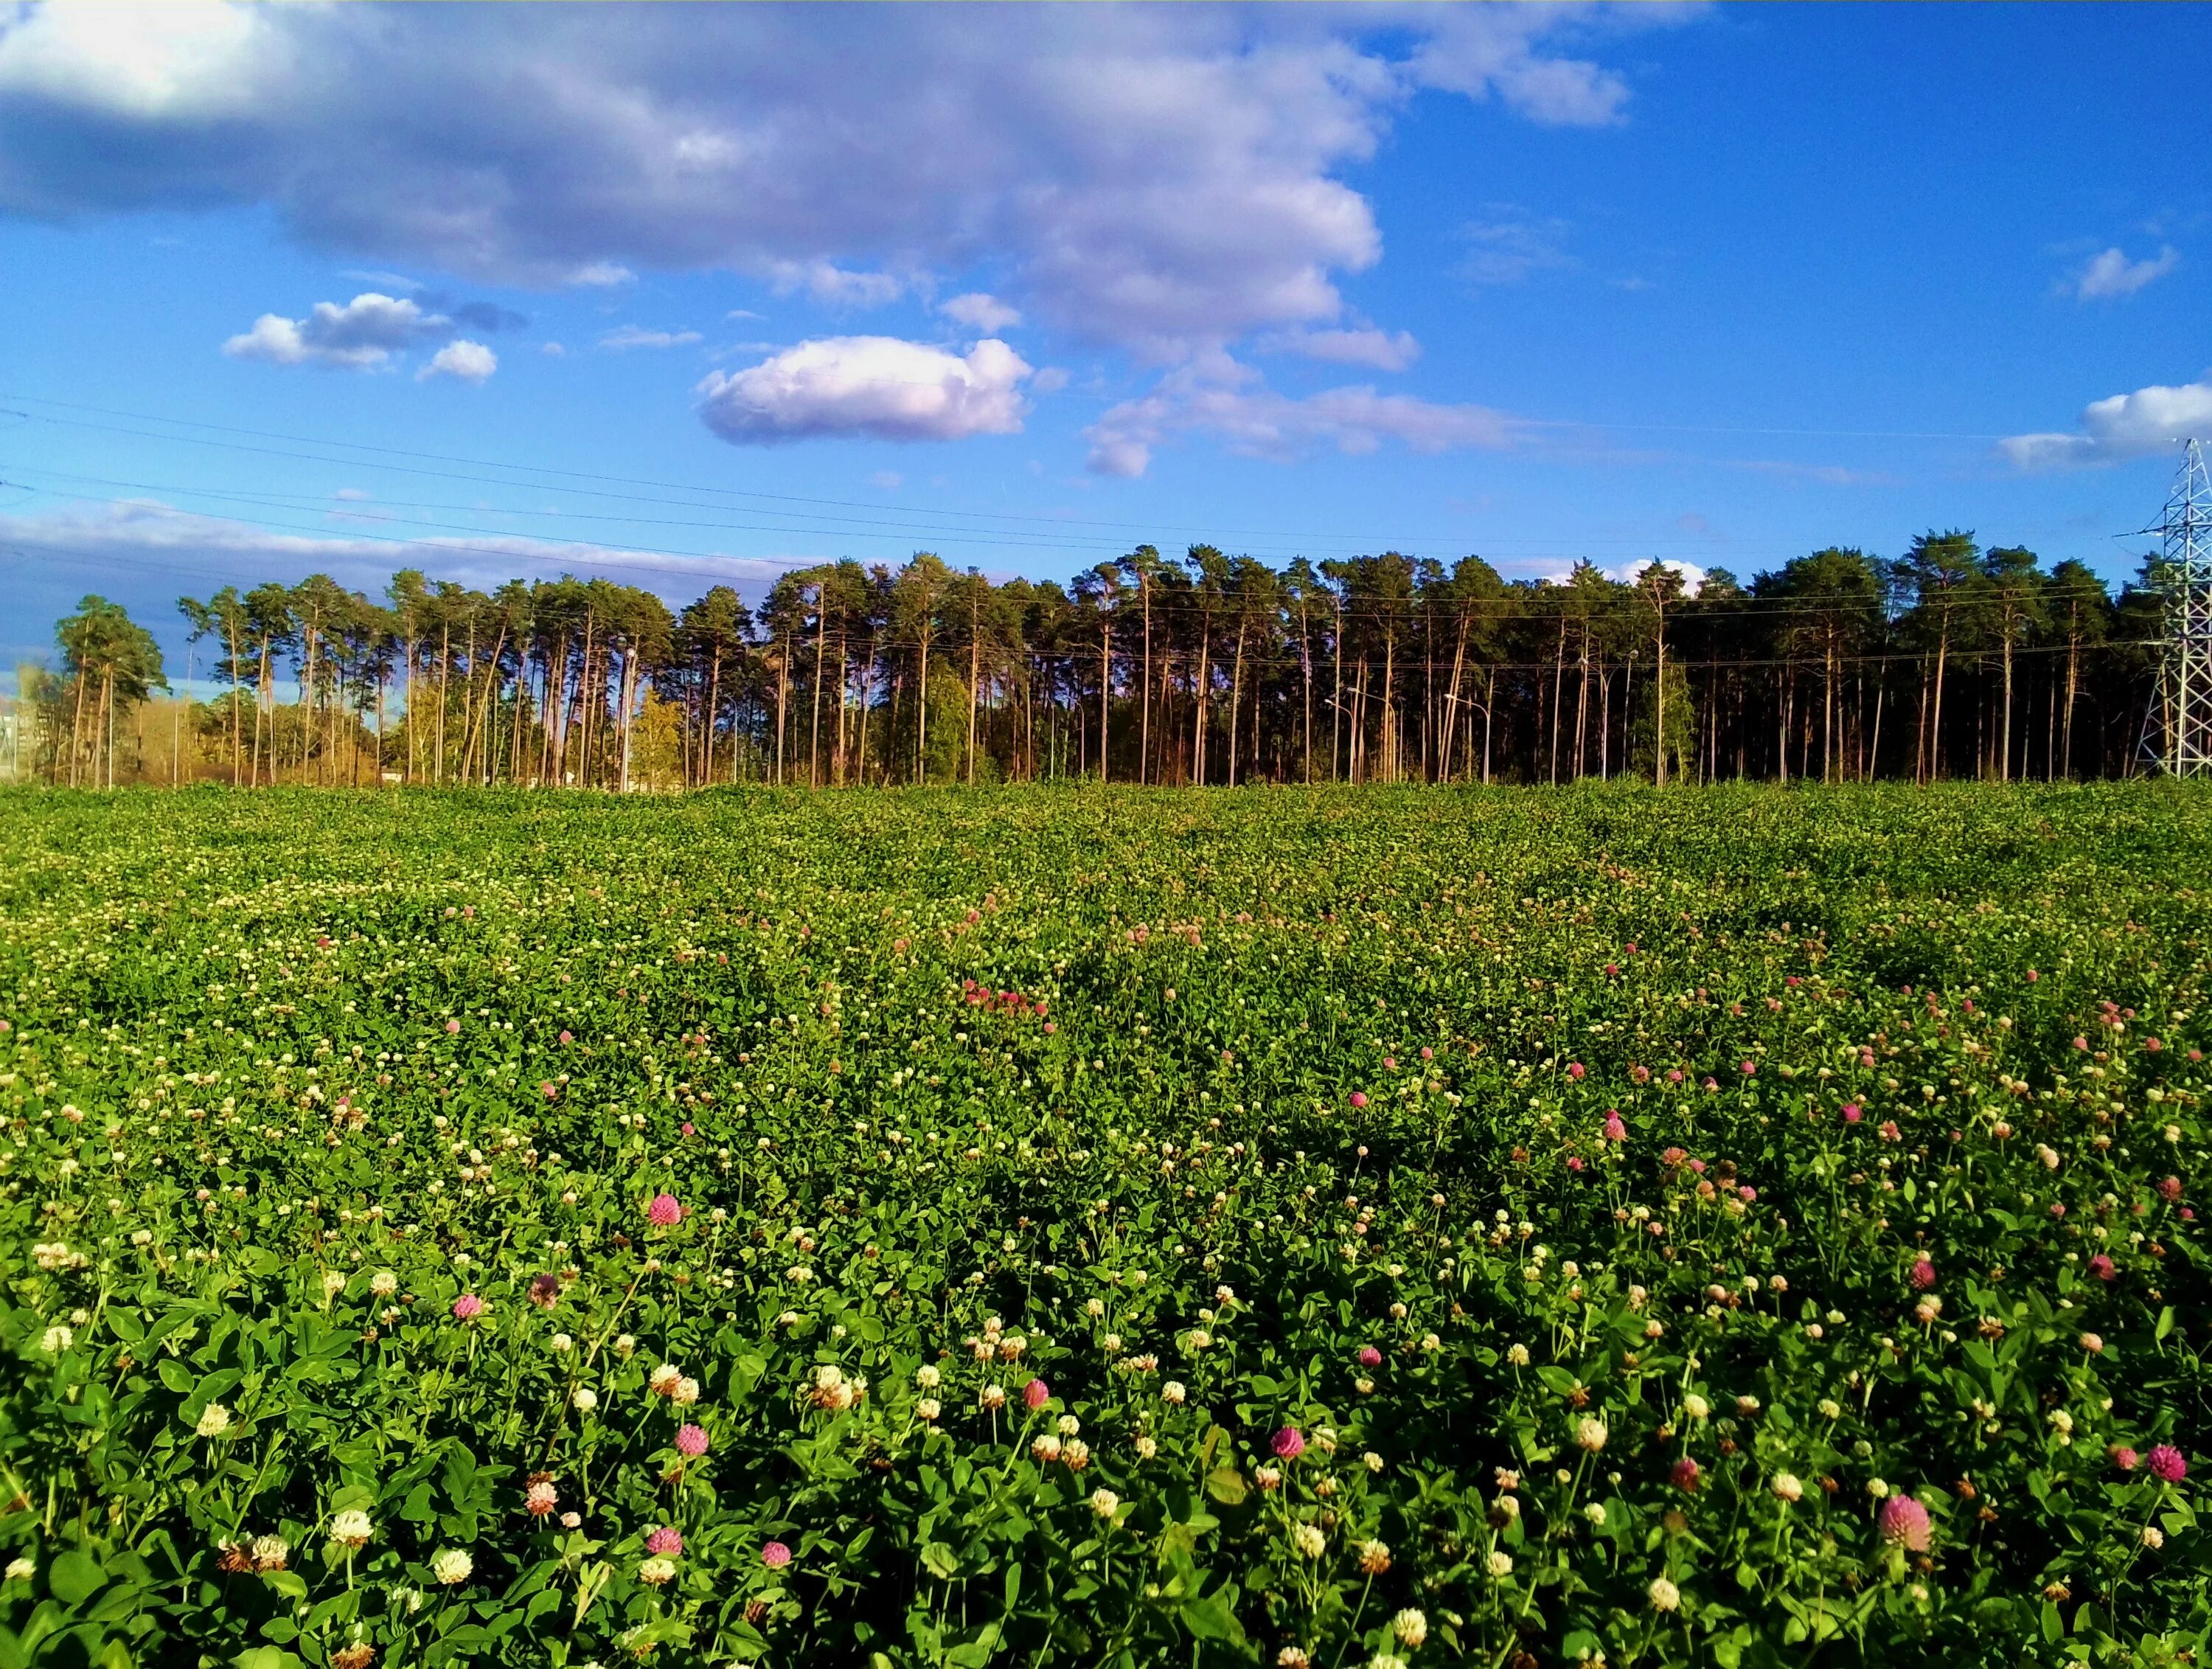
980 311
2150 420
632 336
1165 178
1227 401
2113 274
360 336
877 385
1379 349
462 360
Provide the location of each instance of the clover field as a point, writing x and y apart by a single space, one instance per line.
1053 1225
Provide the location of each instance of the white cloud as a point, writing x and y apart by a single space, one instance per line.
833 286
461 359
1227 401
1378 348
888 480
632 336
1493 50
392 280
554 351
2150 420
2113 274
1507 249
743 312
175 60
143 532
869 385
980 311
363 335
1626 573
1163 178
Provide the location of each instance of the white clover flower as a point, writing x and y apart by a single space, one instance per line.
584 1398
453 1567
351 1529
1173 1392
1105 1503
1517 1355
1309 1540
927 1377
1411 1627
1500 1564
56 1339
20 1570
1696 1406
1594 1513
1146 1447
1787 1486
214 1421
656 1571
1590 1435
1665 1596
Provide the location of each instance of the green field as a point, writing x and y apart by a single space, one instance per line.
1074 1226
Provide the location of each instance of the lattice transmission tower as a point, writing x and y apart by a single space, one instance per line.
2177 729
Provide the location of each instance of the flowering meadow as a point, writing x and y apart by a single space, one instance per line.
1303 1227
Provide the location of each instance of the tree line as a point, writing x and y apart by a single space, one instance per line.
1952 661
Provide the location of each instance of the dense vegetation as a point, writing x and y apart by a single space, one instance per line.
1951 661
1078 1225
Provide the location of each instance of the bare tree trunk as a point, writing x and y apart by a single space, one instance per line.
2073 688
1105 688
1336 701
1145 772
2005 745
1558 688
1390 707
1199 691
1874 747
1236 686
1935 723
975 675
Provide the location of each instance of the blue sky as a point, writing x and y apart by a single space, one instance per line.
1027 287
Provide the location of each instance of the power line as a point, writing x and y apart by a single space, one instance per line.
1308 540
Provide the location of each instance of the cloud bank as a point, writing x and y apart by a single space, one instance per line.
1163 179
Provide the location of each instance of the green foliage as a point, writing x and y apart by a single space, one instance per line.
1513 1151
